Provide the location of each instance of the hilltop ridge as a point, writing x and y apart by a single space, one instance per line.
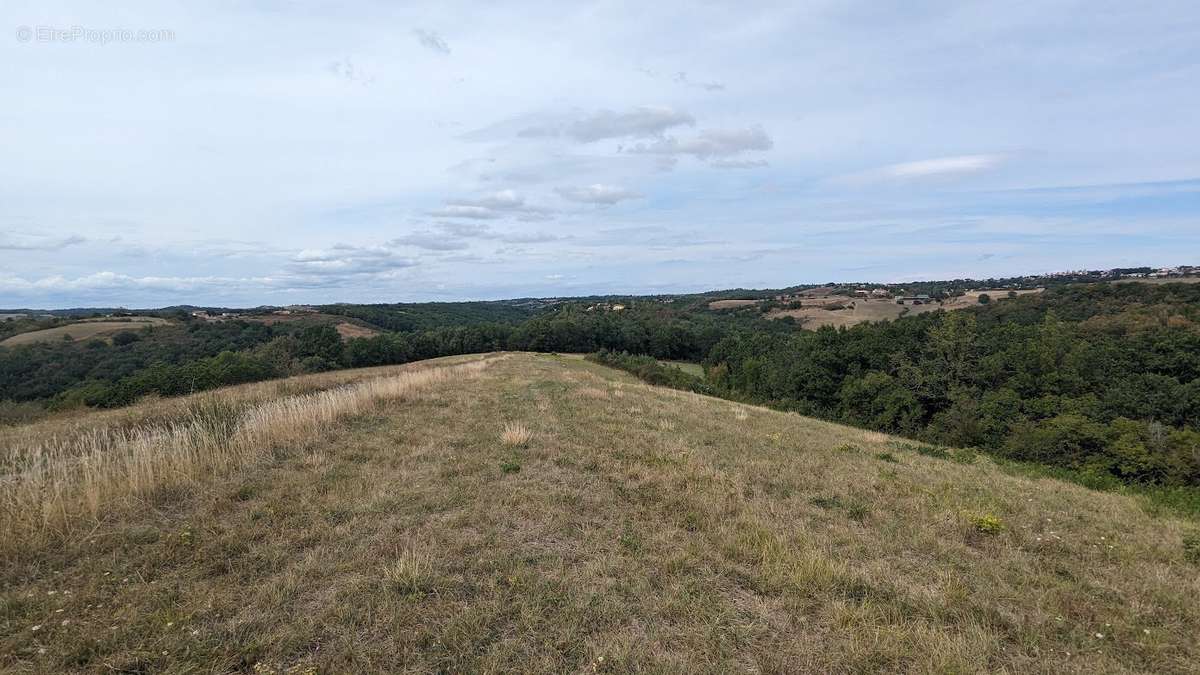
542 513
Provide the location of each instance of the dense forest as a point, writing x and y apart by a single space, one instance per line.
1098 378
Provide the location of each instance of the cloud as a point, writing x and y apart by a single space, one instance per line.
925 169
479 231
432 41
345 260
711 143
682 78
637 123
738 163
641 122
463 211
25 242
491 206
431 241
111 281
597 193
942 166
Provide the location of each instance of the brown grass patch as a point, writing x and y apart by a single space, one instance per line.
57 486
83 330
515 434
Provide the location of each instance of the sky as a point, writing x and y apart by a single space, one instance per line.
274 152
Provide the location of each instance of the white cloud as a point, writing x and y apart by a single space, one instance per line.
463 211
491 206
942 166
598 193
112 281
712 143
345 260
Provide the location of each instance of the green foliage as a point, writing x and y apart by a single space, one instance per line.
1081 377
986 523
1099 380
652 370
510 466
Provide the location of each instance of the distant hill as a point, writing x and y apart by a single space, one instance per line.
541 513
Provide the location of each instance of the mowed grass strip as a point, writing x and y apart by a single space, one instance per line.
645 530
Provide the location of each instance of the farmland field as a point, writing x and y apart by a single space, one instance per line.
83 330
731 304
815 313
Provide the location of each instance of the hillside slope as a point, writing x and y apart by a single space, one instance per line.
637 529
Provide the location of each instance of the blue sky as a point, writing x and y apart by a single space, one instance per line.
275 152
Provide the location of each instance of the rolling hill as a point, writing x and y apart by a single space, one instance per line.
541 513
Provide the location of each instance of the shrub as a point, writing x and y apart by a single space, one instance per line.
510 466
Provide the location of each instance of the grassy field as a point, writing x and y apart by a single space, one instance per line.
83 330
537 513
815 315
731 304
686 366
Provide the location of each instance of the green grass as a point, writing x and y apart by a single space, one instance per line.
647 530
694 369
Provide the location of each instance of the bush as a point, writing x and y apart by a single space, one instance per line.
125 337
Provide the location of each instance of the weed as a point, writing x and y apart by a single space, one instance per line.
986 524
510 466
858 510
887 457
515 434
411 571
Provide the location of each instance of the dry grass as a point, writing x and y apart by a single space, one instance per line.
410 572
731 304
58 486
395 541
83 330
516 434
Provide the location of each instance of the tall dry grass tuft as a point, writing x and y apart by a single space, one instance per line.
515 434
58 485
